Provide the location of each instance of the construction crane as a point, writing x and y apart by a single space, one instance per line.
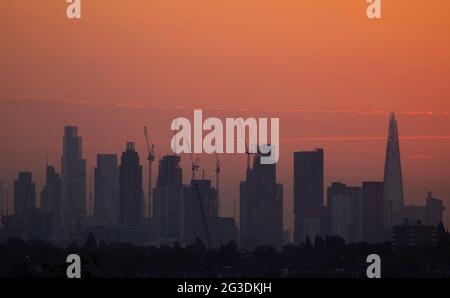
217 171
247 153
195 165
247 149
150 158
195 162
202 212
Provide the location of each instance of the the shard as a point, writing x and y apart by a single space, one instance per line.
393 184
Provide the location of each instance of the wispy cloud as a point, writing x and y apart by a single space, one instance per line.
362 138
426 113
128 105
368 113
138 104
356 112
421 157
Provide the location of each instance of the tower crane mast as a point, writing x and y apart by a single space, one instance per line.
217 171
203 215
150 158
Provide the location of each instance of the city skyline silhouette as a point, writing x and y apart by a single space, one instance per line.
88 108
420 165
340 214
110 78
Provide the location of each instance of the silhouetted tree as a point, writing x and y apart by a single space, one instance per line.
289 249
73 247
442 238
102 245
319 243
334 243
91 243
308 245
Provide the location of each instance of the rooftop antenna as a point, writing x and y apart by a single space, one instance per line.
217 171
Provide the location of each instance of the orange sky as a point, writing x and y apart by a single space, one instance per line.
328 72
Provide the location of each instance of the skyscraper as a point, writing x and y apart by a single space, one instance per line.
308 194
51 198
24 195
435 209
430 214
106 181
130 188
73 174
345 205
168 201
28 222
261 207
393 183
373 228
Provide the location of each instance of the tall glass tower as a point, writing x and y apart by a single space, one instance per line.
393 184
73 177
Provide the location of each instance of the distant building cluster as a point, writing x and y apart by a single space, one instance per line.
176 213
374 212
180 213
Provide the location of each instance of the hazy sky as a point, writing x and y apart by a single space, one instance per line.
328 72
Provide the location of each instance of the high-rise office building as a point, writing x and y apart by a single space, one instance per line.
357 213
168 201
51 202
430 214
28 221
415 213
308 194
261 207
24 195
130 188
106 181
373 228
73 178
412 233
435 210
393 183
345 205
